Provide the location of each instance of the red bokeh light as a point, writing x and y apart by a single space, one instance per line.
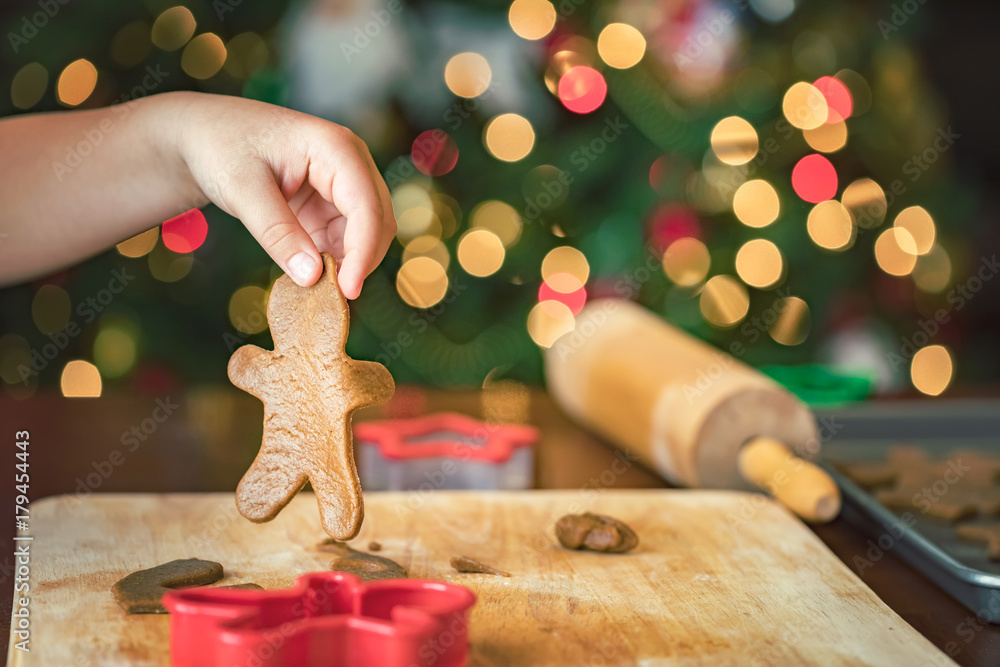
185 232
670 222
814 179
575 301
434 152
838 98
582 89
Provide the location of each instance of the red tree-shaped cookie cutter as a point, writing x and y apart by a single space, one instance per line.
327 619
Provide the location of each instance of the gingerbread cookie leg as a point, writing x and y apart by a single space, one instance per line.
338 490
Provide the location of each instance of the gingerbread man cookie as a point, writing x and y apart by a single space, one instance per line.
310 388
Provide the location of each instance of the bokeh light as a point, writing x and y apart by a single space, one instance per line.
932 273
575 301
434 152
81 379
814 179
131 44
620 45
759 263
918 222
427 246
793 323
827 138
582 89
185 232
246 54
480 252
861 92
422 282
509 137
686 261
865 200
830 226
76 82
804 106
50 309
139 245
838 98
15 359
115 350
756 203
549 320
895 251
248 309
415 212
734 141
168 266
203 56
773 11
931 370
448 213
724 302
28 86
532 19
467 74
173 28
500 218
565 269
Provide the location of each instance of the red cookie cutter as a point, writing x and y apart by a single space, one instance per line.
326 619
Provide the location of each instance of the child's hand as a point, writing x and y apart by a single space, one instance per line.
301 185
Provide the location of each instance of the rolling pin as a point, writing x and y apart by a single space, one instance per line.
693 413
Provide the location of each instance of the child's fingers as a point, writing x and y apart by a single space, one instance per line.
259 204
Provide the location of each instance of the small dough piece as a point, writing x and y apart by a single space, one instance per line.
141 592
310 389
374 546
468 565
595 532
367 567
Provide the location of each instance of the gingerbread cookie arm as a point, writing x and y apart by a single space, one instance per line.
370 382
251 369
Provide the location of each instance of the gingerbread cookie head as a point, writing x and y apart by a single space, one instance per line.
310 389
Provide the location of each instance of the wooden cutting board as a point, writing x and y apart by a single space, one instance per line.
719 578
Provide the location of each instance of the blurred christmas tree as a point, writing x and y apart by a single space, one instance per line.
773 178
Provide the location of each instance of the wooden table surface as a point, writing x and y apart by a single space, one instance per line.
207 440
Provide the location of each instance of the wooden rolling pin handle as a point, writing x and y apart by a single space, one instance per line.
799 485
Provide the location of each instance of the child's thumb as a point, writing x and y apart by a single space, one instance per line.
266 214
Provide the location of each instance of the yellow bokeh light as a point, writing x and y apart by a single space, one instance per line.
203 56
549 320
421 282
724 301
532 19
246 53
131 45
828 137
918 222
76 83
792 325
81 379
417 221
173 28
933 271
620 45
830 225
759 263
895 252
28 86
756 203
50 309
248 309
139 245
448 212
168 266
480 252
15 359
427 246
686 261
734 141
114 351
500 218
467 74
865 200
509 137
804 106
565 269
931 370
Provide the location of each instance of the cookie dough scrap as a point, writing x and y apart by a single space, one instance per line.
365 566
142 592
595 532
310 389
467 565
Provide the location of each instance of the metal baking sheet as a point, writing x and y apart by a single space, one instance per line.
866 433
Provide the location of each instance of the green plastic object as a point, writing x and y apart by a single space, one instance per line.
820 385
